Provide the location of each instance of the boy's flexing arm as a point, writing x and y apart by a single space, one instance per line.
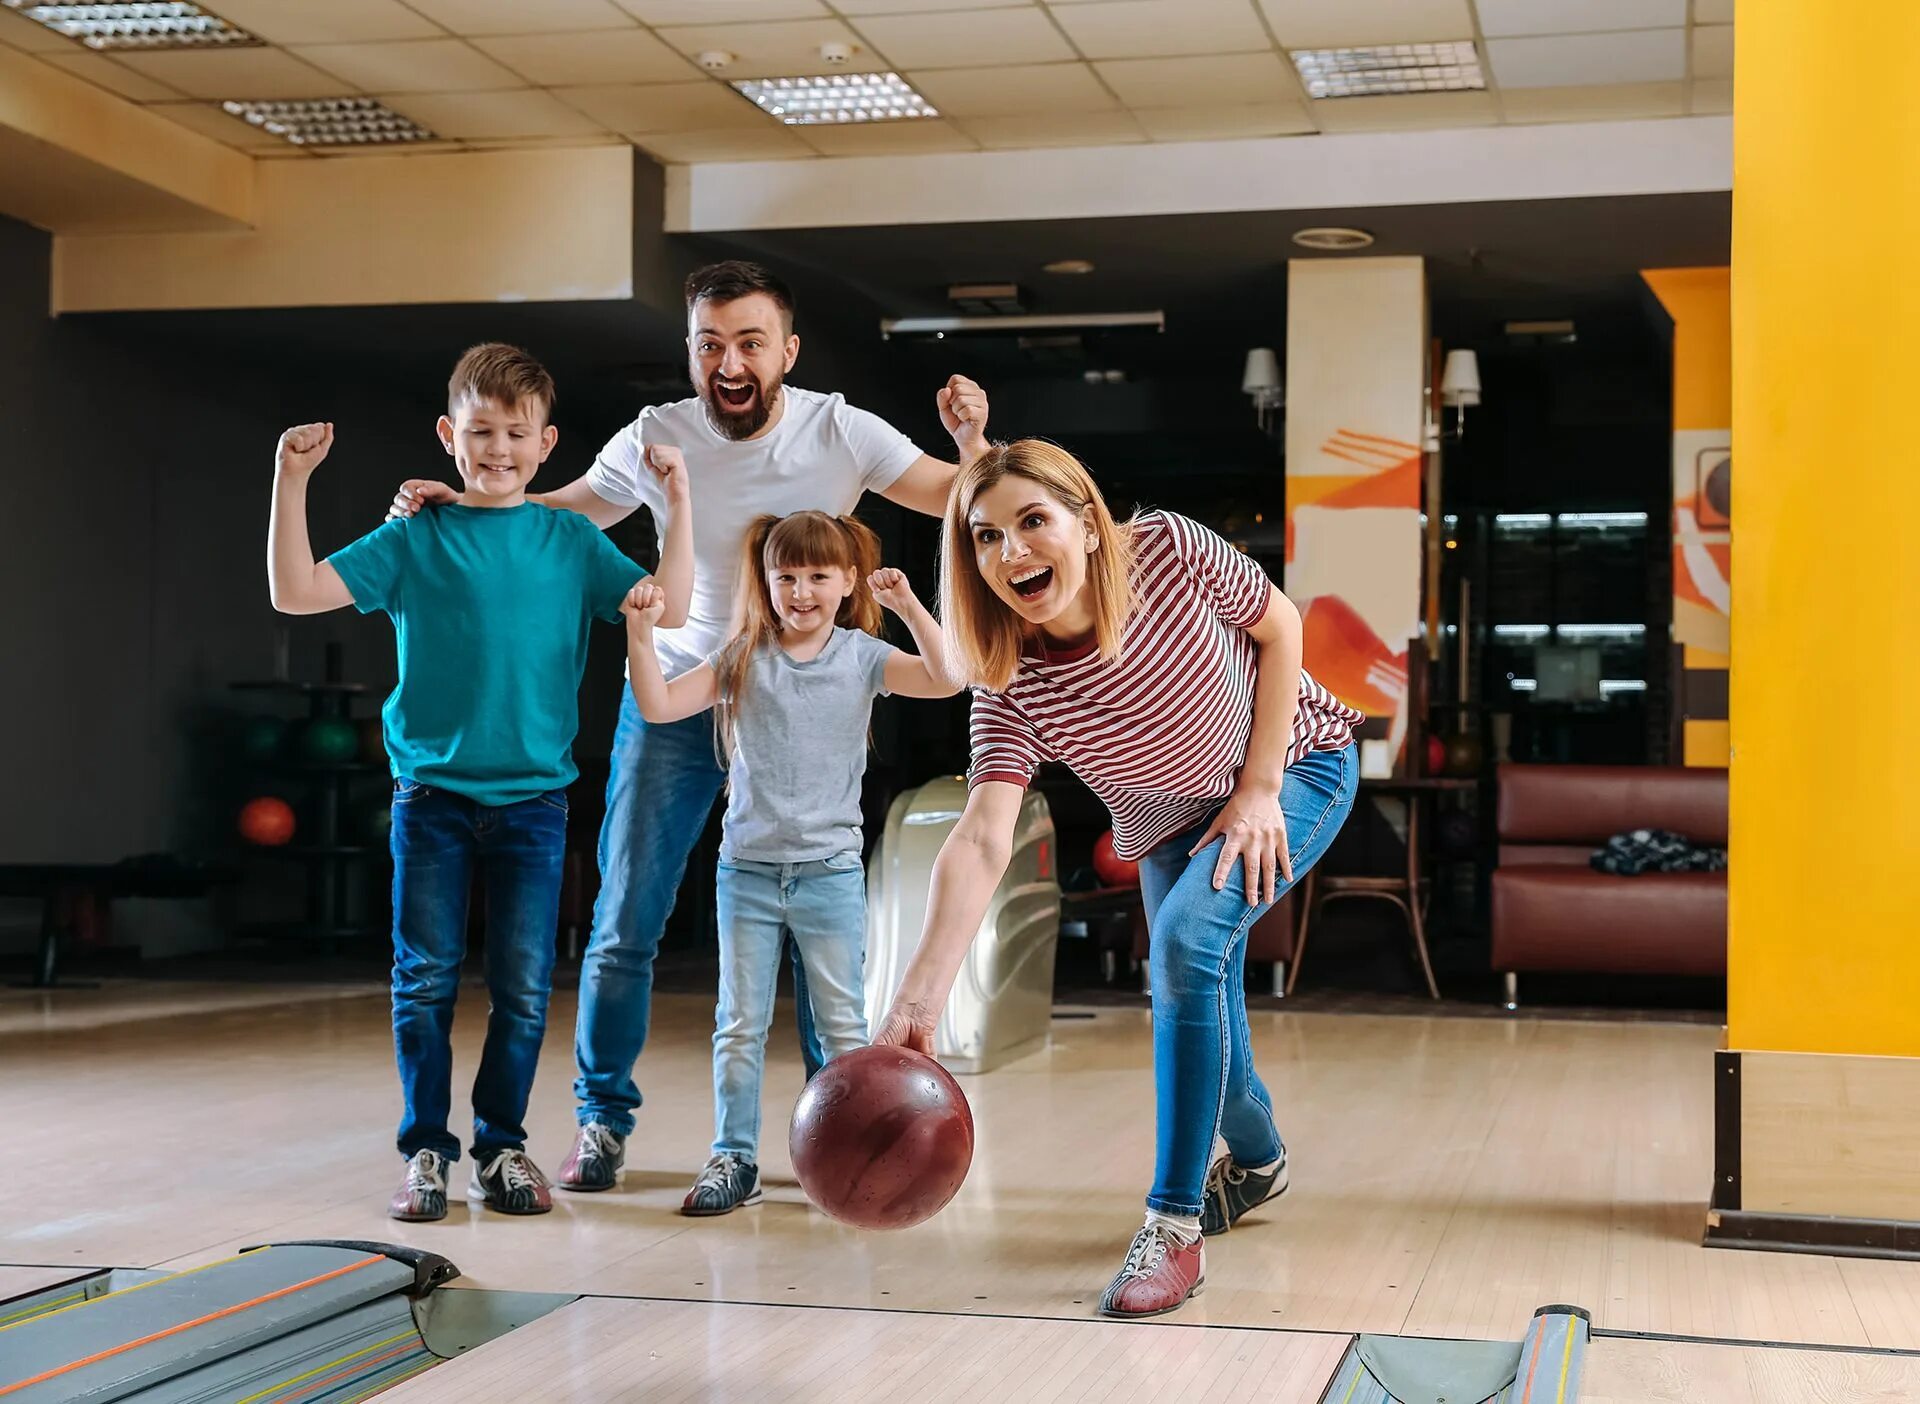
296 584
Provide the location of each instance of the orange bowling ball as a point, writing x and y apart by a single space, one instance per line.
1110 867
266 821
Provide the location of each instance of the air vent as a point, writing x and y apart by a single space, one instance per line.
1333 239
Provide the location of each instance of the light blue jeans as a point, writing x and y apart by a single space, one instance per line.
1204 1082
660 788
823 906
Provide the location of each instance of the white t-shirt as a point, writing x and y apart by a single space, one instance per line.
821 456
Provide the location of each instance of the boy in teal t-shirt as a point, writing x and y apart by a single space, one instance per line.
491 600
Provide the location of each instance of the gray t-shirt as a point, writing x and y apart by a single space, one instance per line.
800 748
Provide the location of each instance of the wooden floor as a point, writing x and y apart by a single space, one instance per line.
1449 1176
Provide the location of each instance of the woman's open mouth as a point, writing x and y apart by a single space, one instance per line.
1031 584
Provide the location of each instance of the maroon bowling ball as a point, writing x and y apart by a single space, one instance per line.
881 1138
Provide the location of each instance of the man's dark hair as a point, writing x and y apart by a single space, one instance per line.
736 278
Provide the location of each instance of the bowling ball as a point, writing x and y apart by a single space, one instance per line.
262 738
1459 833
330 741
377 822
266 821
1464 755
373 742
1436 754
881 1138
1110 867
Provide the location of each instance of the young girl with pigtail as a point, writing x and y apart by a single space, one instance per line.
794 686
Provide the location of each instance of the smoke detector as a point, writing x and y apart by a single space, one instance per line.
713 60
834 53
1333 239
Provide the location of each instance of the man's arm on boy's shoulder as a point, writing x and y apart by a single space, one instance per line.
576 496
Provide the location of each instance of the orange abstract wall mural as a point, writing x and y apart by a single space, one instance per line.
1356 337
1698 300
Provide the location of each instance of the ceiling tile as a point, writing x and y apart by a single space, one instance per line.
1315 24
915 7
885 138
112 75
784 48
967 39
663 107
518 17
1156 28
254 74
776 143
1229 78
210 120
1224 123
709 12
1011 89
1713 51
1605 102
1636 56
22 33
1506 17
1712 96
1054 129
522 113
1407 112
412 66
607 56
1713 11
326 21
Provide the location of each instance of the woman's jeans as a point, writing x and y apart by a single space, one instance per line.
823 906
1204 1082
439 839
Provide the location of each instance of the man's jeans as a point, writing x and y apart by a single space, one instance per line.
660 790
438 840
823 906
1204 1082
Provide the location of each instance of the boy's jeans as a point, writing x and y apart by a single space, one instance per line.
438 841
823 905
1204 1082
661 786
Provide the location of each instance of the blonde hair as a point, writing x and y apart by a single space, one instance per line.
800 539
983 634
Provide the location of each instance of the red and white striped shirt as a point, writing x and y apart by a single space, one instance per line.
1159 734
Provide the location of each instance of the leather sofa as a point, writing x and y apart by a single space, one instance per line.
1552 911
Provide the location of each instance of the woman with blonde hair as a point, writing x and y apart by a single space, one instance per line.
1162 667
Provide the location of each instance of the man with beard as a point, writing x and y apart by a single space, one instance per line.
753 444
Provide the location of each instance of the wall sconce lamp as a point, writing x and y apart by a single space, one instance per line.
1261 380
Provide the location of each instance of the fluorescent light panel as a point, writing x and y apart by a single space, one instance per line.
169 24
331 122
831 98
1371 70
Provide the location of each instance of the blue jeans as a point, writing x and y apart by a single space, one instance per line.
1204 1082
438 840
823 906
660 789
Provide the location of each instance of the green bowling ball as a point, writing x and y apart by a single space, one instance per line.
262 738
330 741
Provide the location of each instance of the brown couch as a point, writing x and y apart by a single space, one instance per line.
1551 911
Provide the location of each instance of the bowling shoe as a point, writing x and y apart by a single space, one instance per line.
598 1160
729 1182
1233 1189
1160 1273
511 1183
422 1196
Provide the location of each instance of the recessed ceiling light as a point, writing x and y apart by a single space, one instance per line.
331 122
1332 237
836 97
1067 265
1389 68
170 25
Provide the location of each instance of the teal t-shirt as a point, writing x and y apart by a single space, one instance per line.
491 607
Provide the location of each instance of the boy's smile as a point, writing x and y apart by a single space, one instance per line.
497 448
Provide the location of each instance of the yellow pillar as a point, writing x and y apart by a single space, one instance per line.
1824 925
